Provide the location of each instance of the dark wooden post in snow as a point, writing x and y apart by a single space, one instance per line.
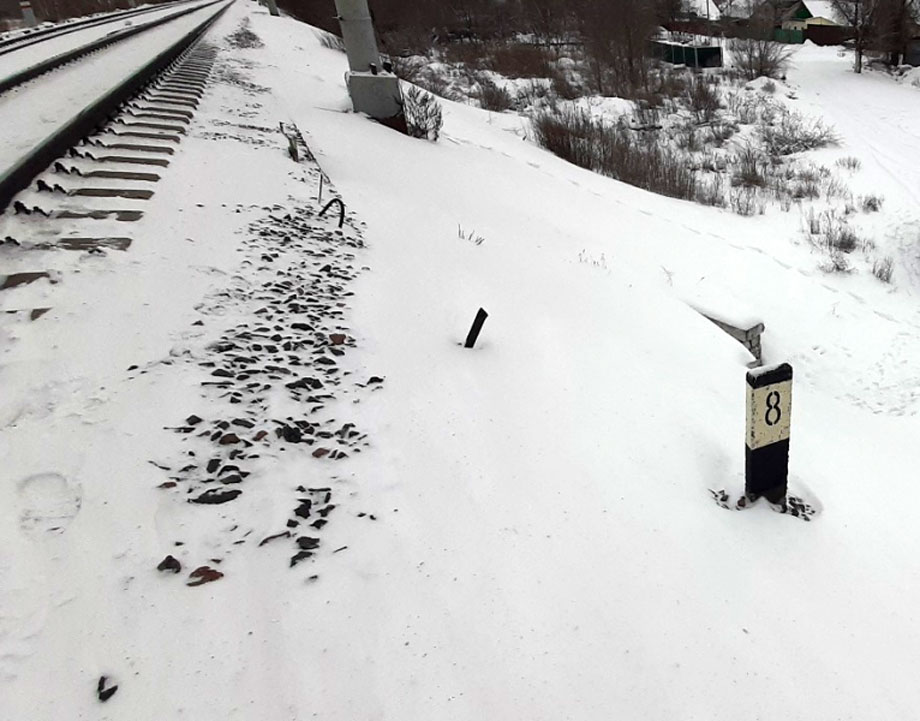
471 337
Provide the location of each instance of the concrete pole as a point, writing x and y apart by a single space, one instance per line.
358 34
372 90
28 14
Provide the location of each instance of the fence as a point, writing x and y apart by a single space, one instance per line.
693 56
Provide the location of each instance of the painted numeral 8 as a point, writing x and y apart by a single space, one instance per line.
773 413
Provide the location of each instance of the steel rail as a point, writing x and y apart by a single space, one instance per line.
24 76
42 34
91 117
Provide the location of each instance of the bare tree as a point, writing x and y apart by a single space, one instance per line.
616 35
861 16
756 57
893 28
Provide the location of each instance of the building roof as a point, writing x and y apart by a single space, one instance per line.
821 9
698 7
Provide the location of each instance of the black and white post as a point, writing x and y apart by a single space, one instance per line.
766 451
28 13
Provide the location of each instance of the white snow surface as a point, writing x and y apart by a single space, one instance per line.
545 544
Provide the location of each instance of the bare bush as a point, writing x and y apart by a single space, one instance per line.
562 86
493 97
611 150
720 132
792 133
711 192
329 41
703 99
424 118
870 203
769 87
831 233
473 55
883 268
409 68
519 60
849 163
747 108
751 168
756 58
743 201
472 236
836 263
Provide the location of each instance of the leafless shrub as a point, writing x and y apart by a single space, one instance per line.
751 168
836 263
802 189
745 107
703 100
829 232
687 137
791 133
883 268
813 222
835 188
720 132
743 201
330 41
520 60
646 116
472 55
424 118
711 192
433 83
756 58
407 68
611 150
472 236
849 163
534 94
870 203
769 87
493 97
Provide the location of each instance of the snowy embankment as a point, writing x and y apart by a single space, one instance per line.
876 117
544 543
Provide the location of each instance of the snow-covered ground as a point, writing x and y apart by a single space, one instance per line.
877 119
528 532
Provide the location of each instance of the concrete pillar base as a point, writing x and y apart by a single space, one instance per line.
377 95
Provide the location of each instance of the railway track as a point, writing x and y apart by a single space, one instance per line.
102 158
22 65
43 34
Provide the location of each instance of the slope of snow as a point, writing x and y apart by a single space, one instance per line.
545 545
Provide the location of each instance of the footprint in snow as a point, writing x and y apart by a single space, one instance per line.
49 503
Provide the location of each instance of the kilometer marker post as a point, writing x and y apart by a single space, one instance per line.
766 442
28 14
